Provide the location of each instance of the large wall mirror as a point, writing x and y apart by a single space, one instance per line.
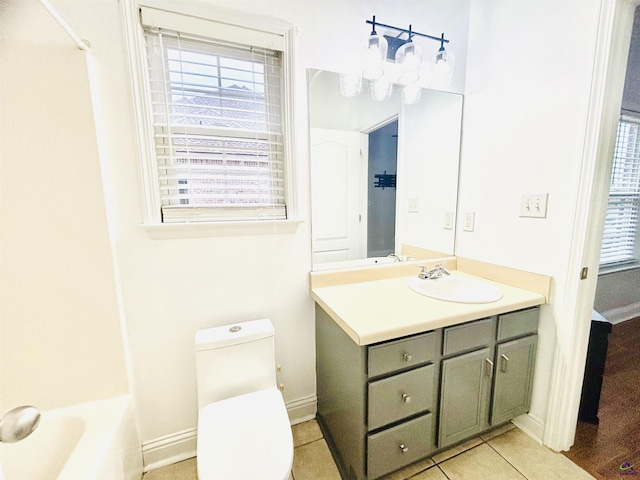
384 175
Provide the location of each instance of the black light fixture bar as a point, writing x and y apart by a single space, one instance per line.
411 32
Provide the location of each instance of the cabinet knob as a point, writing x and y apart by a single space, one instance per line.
403 448
406 398
407 357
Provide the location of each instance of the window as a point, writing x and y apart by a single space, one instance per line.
620 238
215 110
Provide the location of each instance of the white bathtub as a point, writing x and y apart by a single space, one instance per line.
89 441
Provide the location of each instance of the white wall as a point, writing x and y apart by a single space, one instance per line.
61 338
173 287
527 92
529 73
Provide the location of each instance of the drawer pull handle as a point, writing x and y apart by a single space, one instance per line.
403 448
406 398
407 357
488 367
505 361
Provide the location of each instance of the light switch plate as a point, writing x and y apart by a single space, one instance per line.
413 205
469 219
534 205
448 220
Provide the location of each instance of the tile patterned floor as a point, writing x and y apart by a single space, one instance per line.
503 454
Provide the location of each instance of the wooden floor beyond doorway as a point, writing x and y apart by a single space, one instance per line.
612 448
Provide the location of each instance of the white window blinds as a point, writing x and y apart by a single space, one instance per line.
619 243
218 128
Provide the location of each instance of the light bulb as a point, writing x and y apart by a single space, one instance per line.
350 84
410 94
381 90
443 63
374 56
409 57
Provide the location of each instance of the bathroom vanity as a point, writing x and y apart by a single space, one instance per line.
401 376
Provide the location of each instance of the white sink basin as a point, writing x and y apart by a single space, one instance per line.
454 288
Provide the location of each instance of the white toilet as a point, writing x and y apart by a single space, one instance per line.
243 426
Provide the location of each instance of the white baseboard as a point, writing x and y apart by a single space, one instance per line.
169 449
622 314
530 425
302 409
179 446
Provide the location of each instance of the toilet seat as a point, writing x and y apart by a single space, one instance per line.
245 437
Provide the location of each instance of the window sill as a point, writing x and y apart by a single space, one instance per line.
162 231
618 268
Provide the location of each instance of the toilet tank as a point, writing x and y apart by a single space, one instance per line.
234 359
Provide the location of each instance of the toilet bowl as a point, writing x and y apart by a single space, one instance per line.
244 431
246 437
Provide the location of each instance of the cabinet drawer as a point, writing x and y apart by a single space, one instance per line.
390 356
516 324
398 446
400 396
468 336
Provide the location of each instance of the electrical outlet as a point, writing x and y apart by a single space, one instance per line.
413 205
469 219
534 205
448 220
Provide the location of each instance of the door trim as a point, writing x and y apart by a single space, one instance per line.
612 43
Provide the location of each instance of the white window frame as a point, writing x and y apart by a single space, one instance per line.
630 197
241 28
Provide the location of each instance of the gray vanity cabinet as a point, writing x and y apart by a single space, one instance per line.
382 406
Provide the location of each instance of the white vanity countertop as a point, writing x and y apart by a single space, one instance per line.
381 310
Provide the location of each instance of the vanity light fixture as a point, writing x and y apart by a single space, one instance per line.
409 71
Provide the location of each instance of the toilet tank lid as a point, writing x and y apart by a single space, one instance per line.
226 335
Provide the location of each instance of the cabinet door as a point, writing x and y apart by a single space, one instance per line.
513 379
464 396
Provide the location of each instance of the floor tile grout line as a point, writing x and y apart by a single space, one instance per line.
459 453
442 471
512 465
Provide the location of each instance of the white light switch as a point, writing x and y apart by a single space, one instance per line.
413 205
534 205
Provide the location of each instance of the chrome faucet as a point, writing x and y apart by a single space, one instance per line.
436 272
400 258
